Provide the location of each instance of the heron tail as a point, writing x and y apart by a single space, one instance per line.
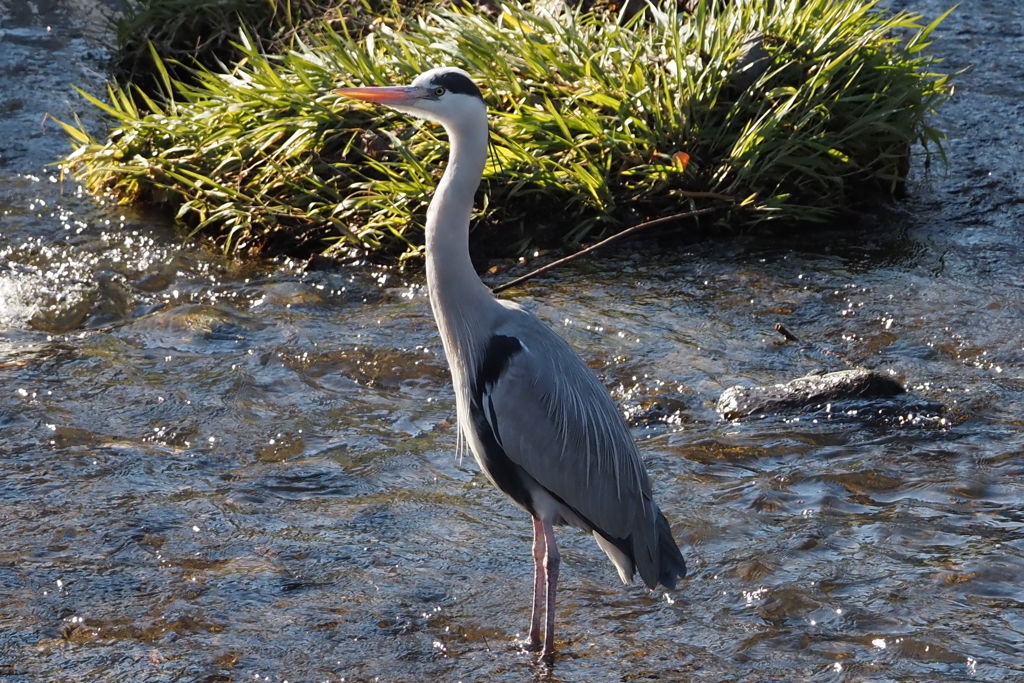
672 566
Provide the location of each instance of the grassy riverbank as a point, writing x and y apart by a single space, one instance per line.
785 113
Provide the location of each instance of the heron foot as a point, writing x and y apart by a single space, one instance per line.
530 646
548 656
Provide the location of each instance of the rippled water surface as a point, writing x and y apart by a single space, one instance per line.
215 470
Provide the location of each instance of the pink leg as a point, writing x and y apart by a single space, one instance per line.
551 562
538 584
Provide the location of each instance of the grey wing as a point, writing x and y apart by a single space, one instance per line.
553 418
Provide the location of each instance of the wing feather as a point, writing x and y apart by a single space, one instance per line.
555 419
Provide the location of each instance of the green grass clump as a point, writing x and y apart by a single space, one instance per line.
588 116
189 33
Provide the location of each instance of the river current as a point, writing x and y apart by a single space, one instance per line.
215 469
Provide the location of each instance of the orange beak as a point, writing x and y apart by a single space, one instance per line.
391 95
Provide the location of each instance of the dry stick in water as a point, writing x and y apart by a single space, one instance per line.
786 332
603 243
790 337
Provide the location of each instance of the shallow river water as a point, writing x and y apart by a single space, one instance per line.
216 470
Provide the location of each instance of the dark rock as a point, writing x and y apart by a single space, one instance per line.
807 392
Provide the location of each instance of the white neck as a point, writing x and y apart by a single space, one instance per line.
452 205
456 292
463 305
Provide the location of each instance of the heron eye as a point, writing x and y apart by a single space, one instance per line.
438 91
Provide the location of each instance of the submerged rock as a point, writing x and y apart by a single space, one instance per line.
807 392
192 327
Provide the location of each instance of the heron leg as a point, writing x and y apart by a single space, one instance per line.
538 583
552 560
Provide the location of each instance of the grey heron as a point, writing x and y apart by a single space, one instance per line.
540 424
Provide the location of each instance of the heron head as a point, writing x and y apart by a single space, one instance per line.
446 95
